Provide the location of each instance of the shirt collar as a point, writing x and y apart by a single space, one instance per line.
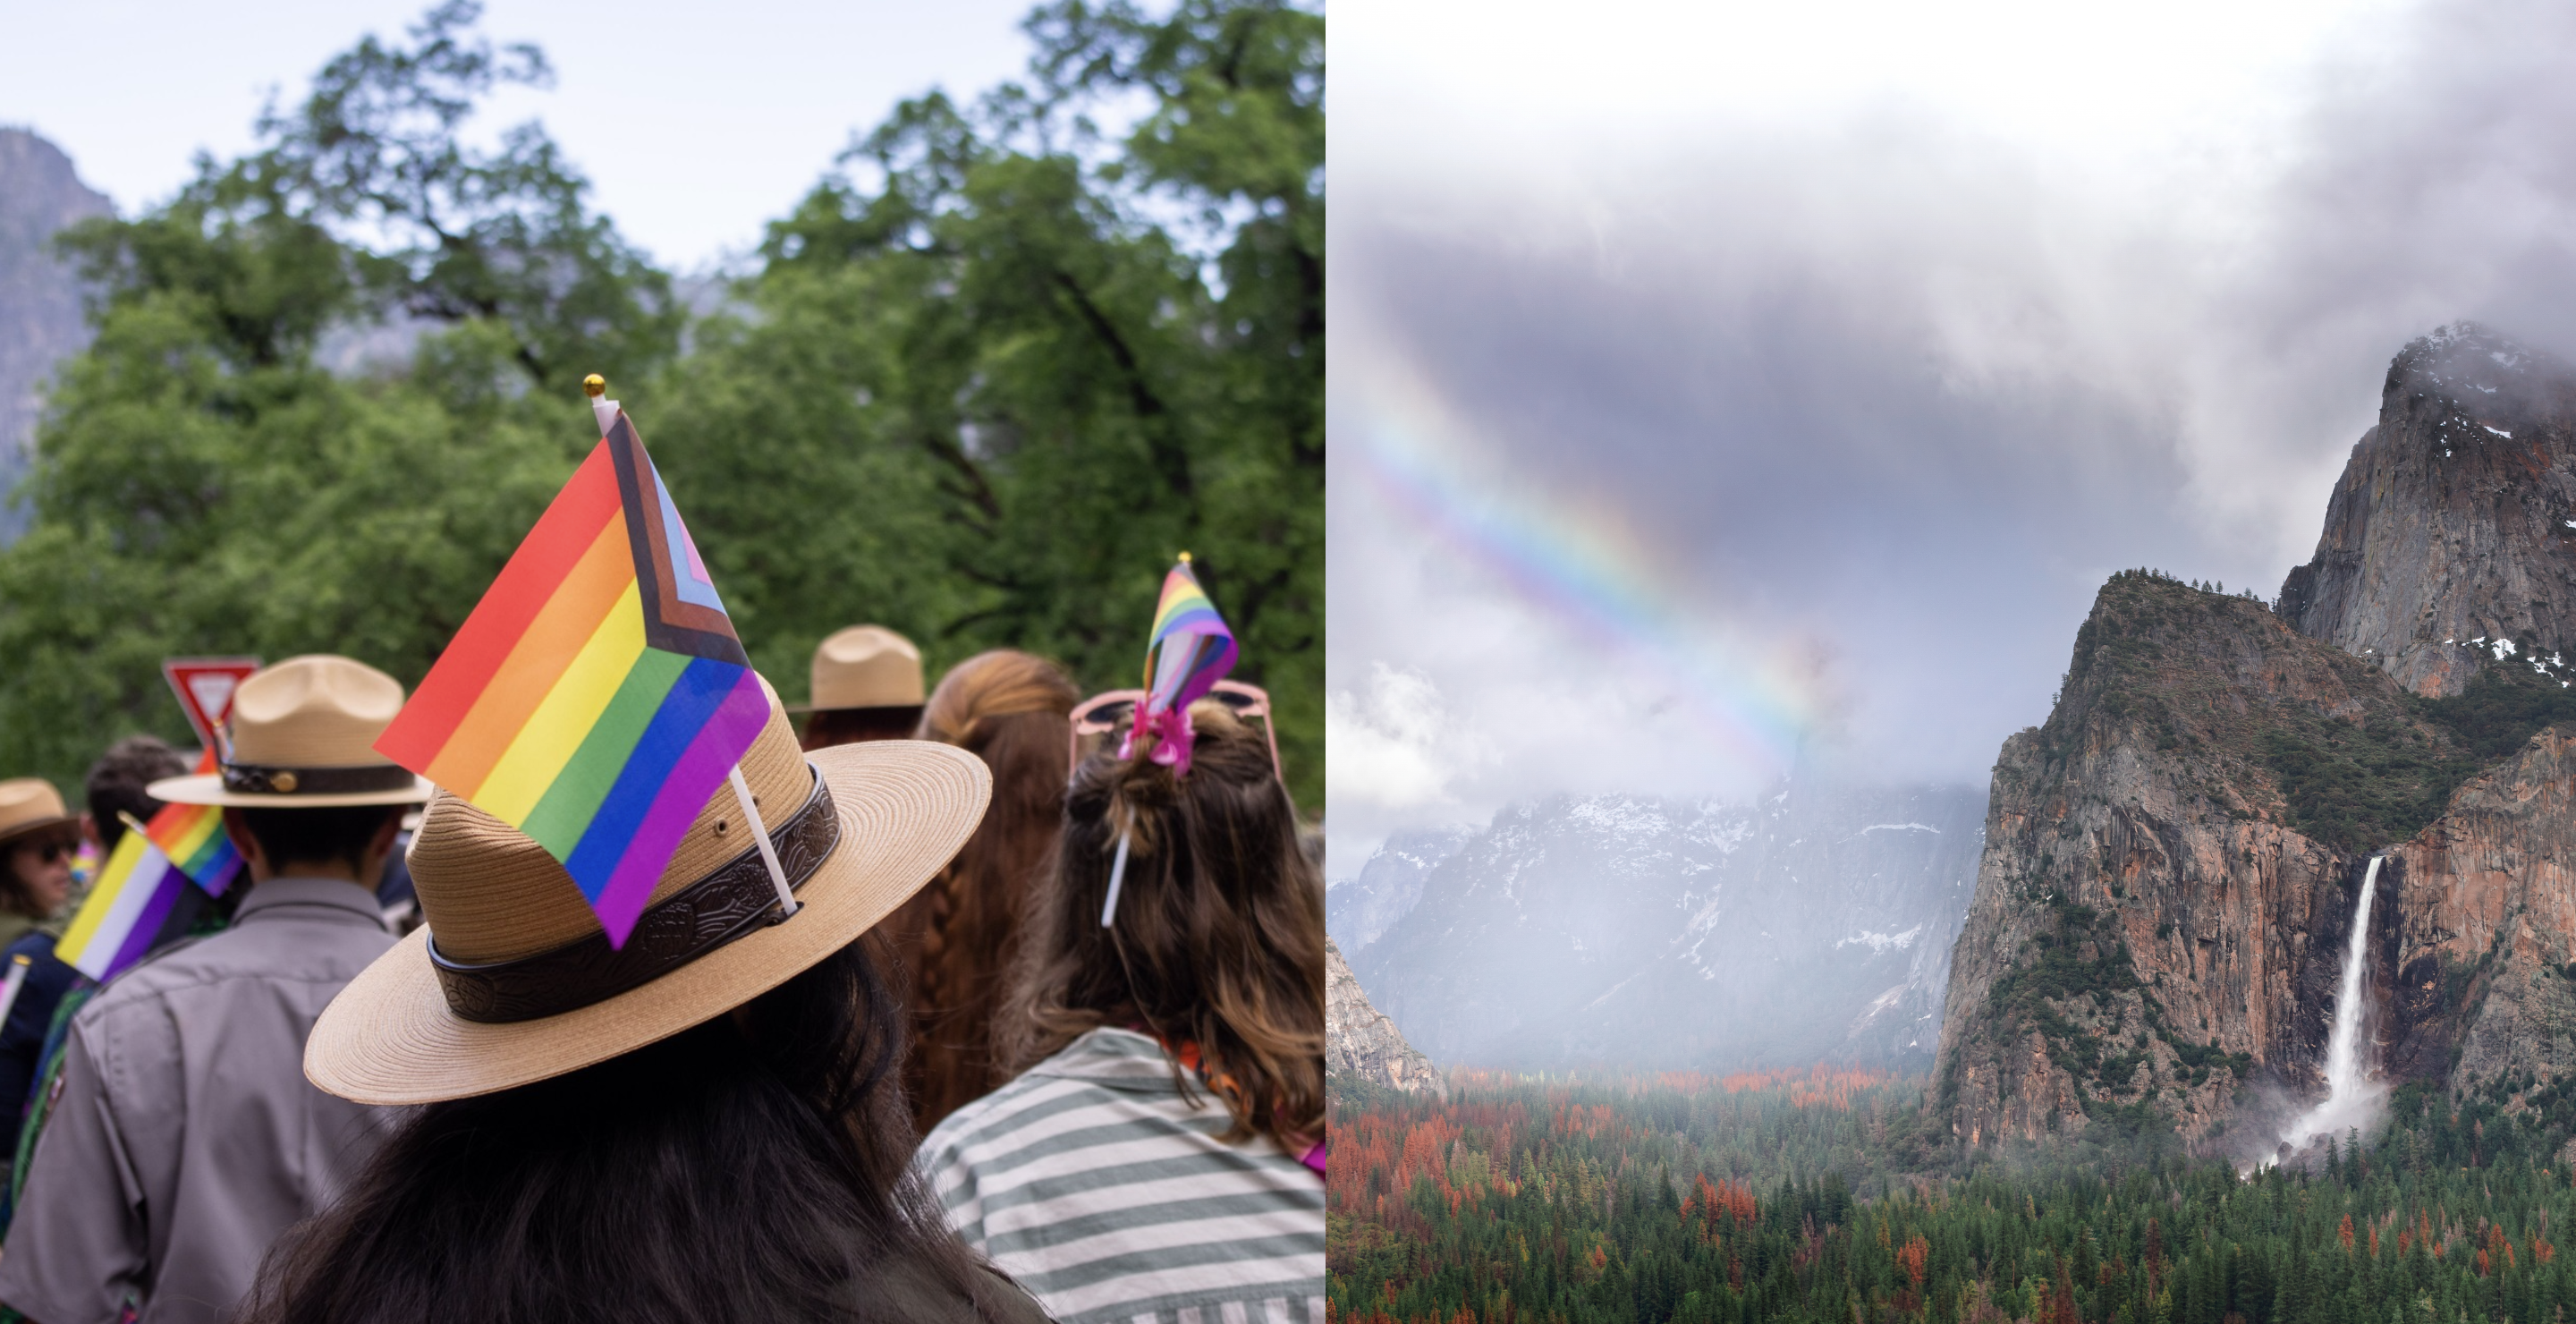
308 896
1116 1058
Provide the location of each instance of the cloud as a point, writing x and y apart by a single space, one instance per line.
1391 746
1845 402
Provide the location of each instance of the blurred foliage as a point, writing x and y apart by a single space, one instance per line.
991 375
1731 1200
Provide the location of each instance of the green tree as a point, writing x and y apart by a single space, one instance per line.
1003 368
202 484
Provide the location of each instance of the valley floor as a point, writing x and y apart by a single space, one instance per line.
1802 1196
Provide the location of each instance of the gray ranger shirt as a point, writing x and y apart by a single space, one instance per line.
187 1137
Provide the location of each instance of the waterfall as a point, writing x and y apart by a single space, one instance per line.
2352 1097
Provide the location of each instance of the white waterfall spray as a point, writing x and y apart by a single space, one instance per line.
2352 1095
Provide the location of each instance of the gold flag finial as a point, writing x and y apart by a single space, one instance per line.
1185 558
594 386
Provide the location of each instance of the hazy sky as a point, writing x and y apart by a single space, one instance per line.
696 123
1735 386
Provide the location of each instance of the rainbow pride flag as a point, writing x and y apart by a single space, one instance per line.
193 837
134 895
597 695
195 842
1190 649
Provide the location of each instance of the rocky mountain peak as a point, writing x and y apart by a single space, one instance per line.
2450 540
40 305
1361 1042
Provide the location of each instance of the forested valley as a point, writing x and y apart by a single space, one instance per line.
1594 1200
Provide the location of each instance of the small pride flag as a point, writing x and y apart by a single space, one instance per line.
1190 649
193 837
597 695
134 895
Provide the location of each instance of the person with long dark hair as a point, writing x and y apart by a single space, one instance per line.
705 1124
959 934
1160 1152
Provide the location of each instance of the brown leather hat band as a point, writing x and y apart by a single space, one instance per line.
252 779
736 899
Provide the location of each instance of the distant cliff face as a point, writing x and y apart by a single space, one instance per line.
2173 861
1389 885
2148 928
1360 1042
40 307
2455 519
1814 925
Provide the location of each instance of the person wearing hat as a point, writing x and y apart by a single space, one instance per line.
704 1124
113 791
38 837
186 1137
866 686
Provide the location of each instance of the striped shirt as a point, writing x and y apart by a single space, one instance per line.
1092 1181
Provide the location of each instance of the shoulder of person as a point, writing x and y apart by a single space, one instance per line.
161 971
35 943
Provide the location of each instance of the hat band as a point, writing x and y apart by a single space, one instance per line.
736 899
253 779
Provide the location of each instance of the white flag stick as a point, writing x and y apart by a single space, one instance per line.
1117 875
601 408
760 836
16 980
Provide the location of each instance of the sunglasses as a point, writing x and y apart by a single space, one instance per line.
1115 711
51 851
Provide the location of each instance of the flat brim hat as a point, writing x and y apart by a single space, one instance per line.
302 735
513 981
29 805
863 666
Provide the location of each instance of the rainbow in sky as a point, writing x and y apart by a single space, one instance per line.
1579 560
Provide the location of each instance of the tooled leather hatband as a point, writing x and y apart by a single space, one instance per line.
254 779
733 900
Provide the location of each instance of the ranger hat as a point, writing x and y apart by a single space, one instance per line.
29 804
864 666
303 736
514 981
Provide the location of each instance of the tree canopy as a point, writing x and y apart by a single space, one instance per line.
984 383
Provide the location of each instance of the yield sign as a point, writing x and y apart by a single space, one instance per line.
205 687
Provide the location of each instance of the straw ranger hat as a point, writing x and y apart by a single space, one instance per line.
864 666
513 980
30 804
302 736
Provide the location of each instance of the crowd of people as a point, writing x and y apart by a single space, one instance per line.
1041 1036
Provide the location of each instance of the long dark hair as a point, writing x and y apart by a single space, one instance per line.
1008 708
1219 934
755 1167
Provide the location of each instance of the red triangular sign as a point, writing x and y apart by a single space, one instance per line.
205 688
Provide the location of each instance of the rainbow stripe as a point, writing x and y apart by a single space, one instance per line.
597 695
134 896
1190 650
193 837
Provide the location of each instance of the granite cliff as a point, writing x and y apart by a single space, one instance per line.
2455 519
2173 859
40 305
1361 1042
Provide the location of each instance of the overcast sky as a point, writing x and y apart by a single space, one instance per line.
696 123
1745 386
